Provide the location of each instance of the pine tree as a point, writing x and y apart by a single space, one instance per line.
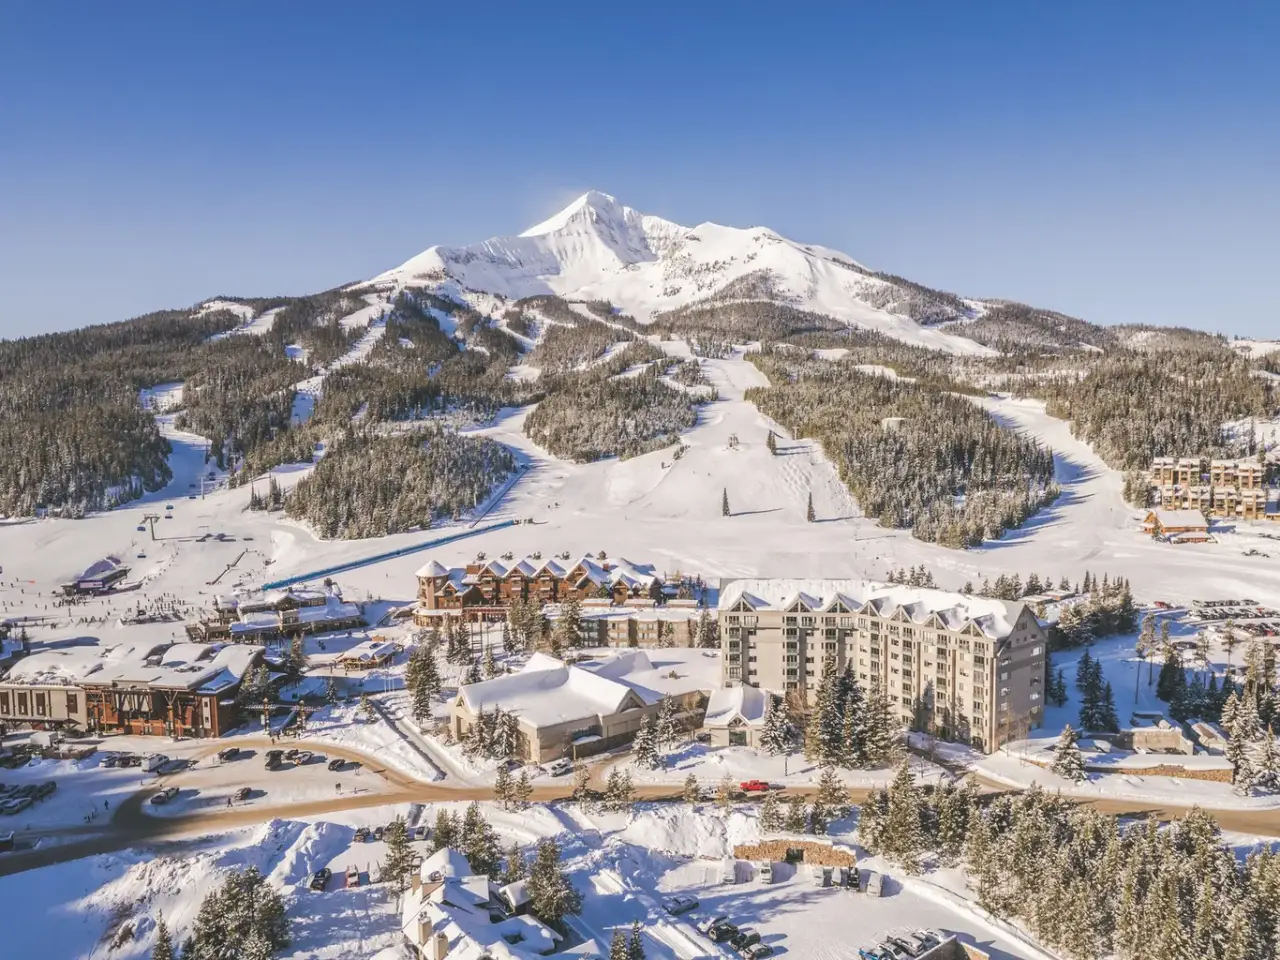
551 896
163 949
503 787
955 810
488 666
880 729
778 734
618 946
581 784
824 737
1067 759
770 819
772 443
644 747
514 865
331 691
473 674
692 791
901 837
809 515
1267 763
619 792
1173 676
445 832
667 732
478 842
399 860
797 819
832 794
724 503
367 711
1110 719
523 790
635 943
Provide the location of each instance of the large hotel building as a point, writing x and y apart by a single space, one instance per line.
961 667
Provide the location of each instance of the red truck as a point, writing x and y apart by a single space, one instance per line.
754 786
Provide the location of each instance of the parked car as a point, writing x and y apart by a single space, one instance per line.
821 876
704 925
303 756
361 835
155 761
165 795
875 884
336 763
378 831
274 759
903 946
243 793
723 931
353 877
110 760
679 904
228 754
15 806
758 951
559 768
420 832
320 879
131 760
754 786
46 788
292 754
744 938
764 871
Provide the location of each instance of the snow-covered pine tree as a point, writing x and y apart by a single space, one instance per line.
581 784
618 945
644 748
619 792
488 666
163 949
809 514
367 711
1067 759
772 443
635 942
551 896
824 736
724 503
770 819
668 732
902 836
778 733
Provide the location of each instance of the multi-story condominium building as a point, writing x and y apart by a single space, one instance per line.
962 667
1236 488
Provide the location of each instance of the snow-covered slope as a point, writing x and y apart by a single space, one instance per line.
598 249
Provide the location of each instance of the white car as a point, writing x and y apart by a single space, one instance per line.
558 768
679 904
704 925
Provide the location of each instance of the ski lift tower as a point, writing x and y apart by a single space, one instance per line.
150 519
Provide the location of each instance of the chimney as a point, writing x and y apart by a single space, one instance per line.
435 946
415 881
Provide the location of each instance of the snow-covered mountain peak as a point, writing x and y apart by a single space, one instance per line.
597 248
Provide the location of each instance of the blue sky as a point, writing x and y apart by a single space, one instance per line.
1114 161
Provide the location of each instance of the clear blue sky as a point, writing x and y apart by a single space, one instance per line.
1118 161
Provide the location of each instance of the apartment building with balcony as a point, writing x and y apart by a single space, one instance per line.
1228 489
961 667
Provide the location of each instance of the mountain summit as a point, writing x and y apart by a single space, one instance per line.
597 248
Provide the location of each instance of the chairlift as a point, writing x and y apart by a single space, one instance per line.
141 528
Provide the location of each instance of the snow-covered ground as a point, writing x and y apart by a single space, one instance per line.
622 864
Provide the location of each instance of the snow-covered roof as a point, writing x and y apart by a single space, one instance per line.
446 862
432 568
100 568
1180 518
748 704
375 648
181 666
548 692
637 576
955 611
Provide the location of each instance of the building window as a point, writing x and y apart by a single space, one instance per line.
41 710
1004 674
4 703
23 707
1035 651
829 632
789 621
1035 696
789 631
806 621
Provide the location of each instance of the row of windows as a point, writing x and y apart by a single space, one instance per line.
42 701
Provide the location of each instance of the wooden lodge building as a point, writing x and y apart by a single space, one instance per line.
482 591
